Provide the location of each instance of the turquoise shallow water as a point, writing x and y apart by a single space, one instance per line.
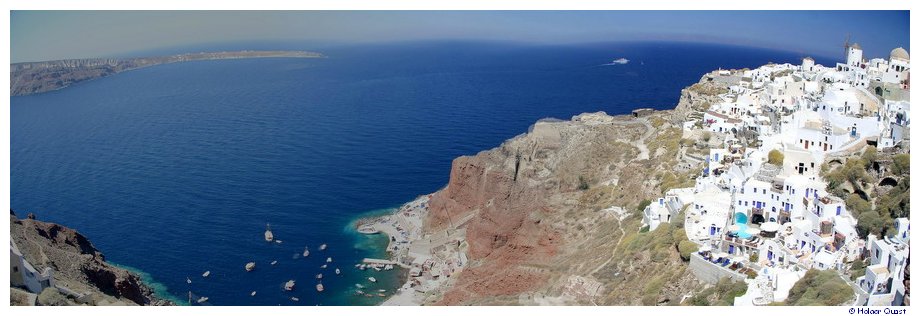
176 169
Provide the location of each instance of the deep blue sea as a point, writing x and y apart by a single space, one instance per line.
176 169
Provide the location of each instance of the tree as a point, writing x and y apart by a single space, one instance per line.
775 157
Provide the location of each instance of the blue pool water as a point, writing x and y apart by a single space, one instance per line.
174 170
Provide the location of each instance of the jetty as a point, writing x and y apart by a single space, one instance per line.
382 263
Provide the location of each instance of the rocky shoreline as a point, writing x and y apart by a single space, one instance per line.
81 275
527 223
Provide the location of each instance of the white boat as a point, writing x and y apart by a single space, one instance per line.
329 259
289 286
319 276
319 287
253 293
359 292
359 286
306 252
372 279
295 299
323 266
620 61
275 262
206 274
250 266
202 299
278 241
337 271
322 247
381 290
268 233
377 268
187 280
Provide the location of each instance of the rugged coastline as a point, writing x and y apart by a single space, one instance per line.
37 77
543 218
79 273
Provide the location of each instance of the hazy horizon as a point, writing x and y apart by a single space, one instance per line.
52 35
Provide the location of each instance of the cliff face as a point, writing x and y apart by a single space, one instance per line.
77 264
550 216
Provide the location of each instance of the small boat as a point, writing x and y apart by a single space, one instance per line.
319 287
278 241
372 279
275 262
306 252
359 292
187 280
377 269
337 271
323 266
250 266
295 299
362 267
202 299
319 276
381 295
388 267
359 286
322 247
289 286
253 293
206 274
368 295
268 233
381 290
329 259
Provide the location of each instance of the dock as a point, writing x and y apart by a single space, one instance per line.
383 262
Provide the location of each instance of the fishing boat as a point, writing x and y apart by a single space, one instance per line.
322 247
268 233
250 266
306 252
289 286
319 287
206 274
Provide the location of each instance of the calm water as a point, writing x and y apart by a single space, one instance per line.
176 169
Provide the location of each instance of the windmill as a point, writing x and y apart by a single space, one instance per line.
846 45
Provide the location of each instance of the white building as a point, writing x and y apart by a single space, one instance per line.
23 274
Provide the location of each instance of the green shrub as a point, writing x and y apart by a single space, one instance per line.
583 183
686 248
775 157
822 288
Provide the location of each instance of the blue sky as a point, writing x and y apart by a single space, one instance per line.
46 35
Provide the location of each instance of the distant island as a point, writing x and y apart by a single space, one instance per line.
37 77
